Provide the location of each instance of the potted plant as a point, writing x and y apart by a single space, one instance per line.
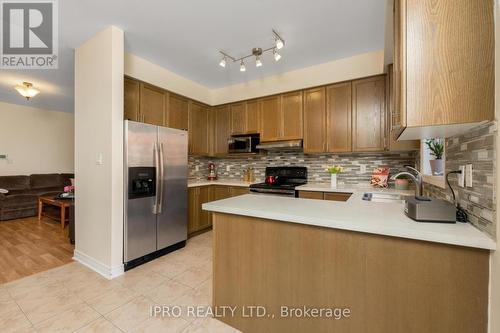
334 170
436 148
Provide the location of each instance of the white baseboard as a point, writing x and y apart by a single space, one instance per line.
97 266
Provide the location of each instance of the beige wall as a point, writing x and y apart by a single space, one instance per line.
99 74
495 257
334 71
144 70
35 140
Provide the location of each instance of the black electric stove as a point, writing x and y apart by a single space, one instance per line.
287 178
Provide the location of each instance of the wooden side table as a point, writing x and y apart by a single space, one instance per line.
61 203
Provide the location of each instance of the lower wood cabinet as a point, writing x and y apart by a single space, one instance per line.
332 196
200 220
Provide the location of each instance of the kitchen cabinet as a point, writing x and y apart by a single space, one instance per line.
253 116
238 118
270 119
245 117
281 117
152 104
198 219
291 116
444 66
199 121
314 120
336 196
311 195
368 107
338 118
221 192
222 129
392 118
131 106
177 112
238 190
331 196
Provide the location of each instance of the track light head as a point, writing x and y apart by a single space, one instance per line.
258 62
277 56
279 43
222 63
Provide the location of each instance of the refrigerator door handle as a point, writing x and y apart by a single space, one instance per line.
162 171
157 175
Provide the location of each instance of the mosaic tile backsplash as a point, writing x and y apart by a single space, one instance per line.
476 147
357 167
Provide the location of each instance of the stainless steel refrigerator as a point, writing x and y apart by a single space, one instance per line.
155 191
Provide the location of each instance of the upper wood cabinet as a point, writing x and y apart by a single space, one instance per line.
131 105
238 118
314 120
270 127
291 116
199 123
281 117
339 118
368 107
392 118
177 112
253 116
221 132
152 104
245 117
444 64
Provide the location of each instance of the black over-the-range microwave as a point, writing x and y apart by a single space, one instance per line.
243 143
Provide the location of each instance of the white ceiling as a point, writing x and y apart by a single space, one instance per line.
184 36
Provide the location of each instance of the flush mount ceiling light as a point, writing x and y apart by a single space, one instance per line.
256 52
27 90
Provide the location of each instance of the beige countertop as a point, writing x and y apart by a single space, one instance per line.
355 214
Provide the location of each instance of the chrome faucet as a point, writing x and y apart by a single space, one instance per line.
417 179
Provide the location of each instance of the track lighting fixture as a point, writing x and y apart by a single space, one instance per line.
257 53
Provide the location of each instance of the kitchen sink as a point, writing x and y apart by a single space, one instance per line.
384 197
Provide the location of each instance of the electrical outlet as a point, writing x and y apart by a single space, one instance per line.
228 168
362 168
468 175
3 157
197 168
461 176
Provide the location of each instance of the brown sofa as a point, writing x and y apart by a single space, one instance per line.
22 199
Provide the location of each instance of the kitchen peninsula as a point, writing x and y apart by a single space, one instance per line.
391 273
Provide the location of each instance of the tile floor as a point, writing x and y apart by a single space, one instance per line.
72 298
